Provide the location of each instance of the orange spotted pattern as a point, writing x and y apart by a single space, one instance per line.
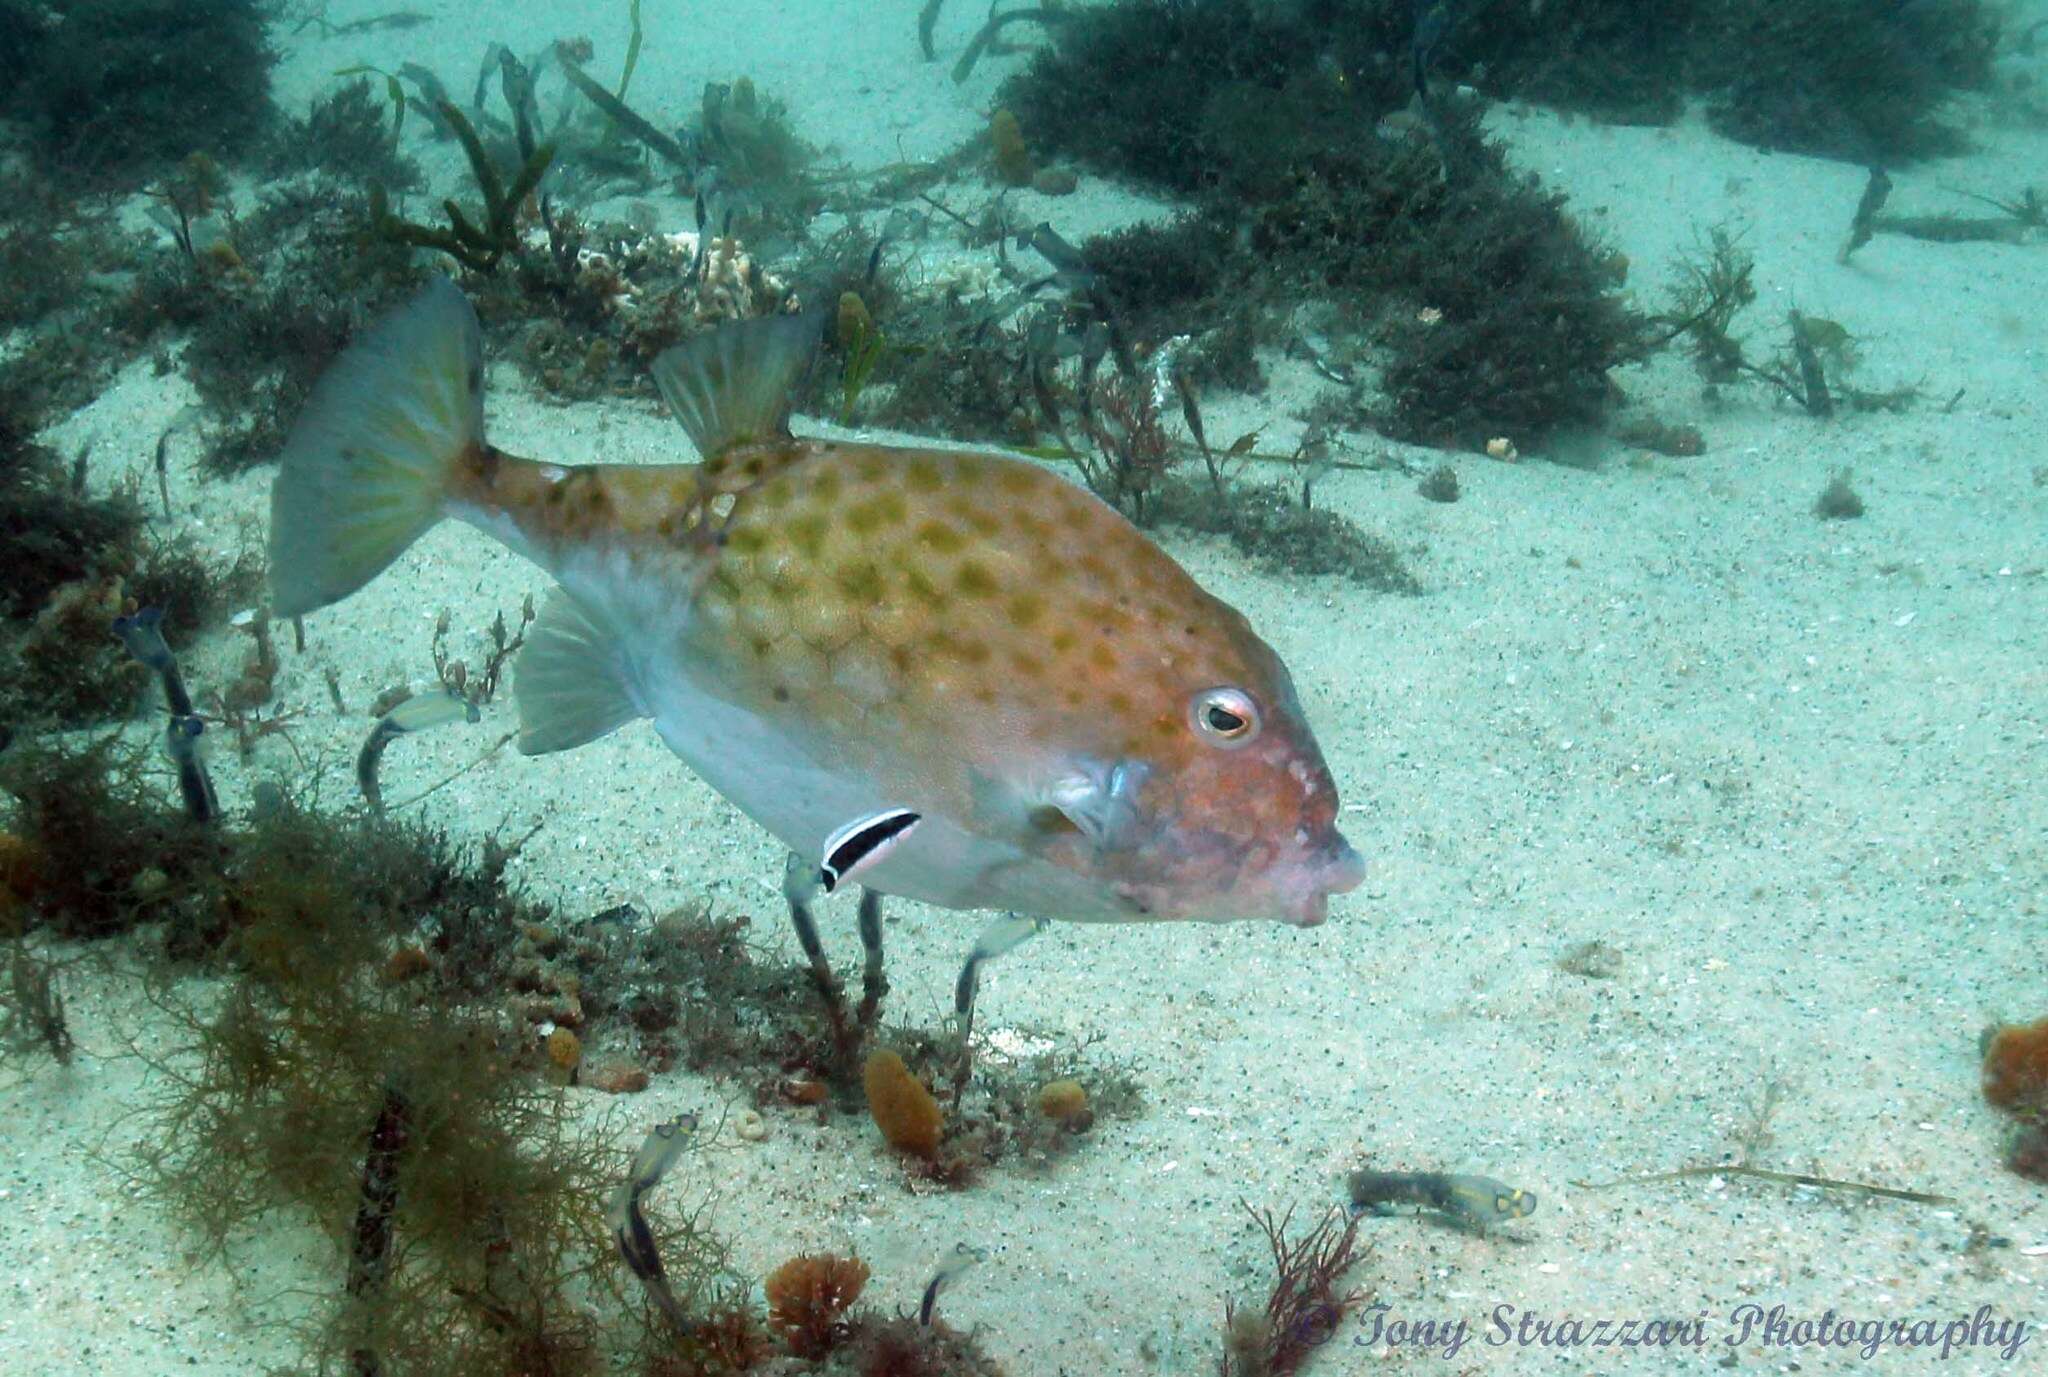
899 589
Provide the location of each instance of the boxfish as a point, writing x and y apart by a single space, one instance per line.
950 676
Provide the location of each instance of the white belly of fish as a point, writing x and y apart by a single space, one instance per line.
776 784
774 781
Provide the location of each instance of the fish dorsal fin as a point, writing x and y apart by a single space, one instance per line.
734 385
570 681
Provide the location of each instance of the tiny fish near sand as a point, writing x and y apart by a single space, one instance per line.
955 677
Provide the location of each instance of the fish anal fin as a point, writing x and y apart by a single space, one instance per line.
570 680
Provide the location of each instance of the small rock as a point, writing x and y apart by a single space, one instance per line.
404 964
750 1126
803 1090
1054 181
616 1078
1440 484
1652 434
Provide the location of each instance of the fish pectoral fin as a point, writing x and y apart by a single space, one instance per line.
570 680
1100 800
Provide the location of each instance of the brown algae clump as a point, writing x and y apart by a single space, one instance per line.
462 1193
1839 500
20 874
108 849
902 1108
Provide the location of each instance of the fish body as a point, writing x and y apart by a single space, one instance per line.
1479 1201
826 631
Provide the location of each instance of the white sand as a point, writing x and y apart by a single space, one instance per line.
1793 769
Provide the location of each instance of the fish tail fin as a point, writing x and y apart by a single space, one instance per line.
734 385
369 464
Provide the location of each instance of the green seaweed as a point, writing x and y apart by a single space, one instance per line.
986 35
109 89
632 53
388 1103
344 134
1712 288
624 116
1840 78
394 20
394 91
463 1196
1440 484
748 139
1487 307
74 559
927 21
254 345
861 345
110 851
1714 283
1877 188
1838 501
32 1018
1616 60
478 247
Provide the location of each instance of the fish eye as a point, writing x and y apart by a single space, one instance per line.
1226 716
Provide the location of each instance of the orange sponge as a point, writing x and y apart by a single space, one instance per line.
1012 158
2016 1066
565 1050
807 1295
1062 1101
902 1108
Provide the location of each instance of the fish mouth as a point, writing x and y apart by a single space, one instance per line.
1314 912
1339 871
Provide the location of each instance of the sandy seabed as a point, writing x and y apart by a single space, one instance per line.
1794 771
